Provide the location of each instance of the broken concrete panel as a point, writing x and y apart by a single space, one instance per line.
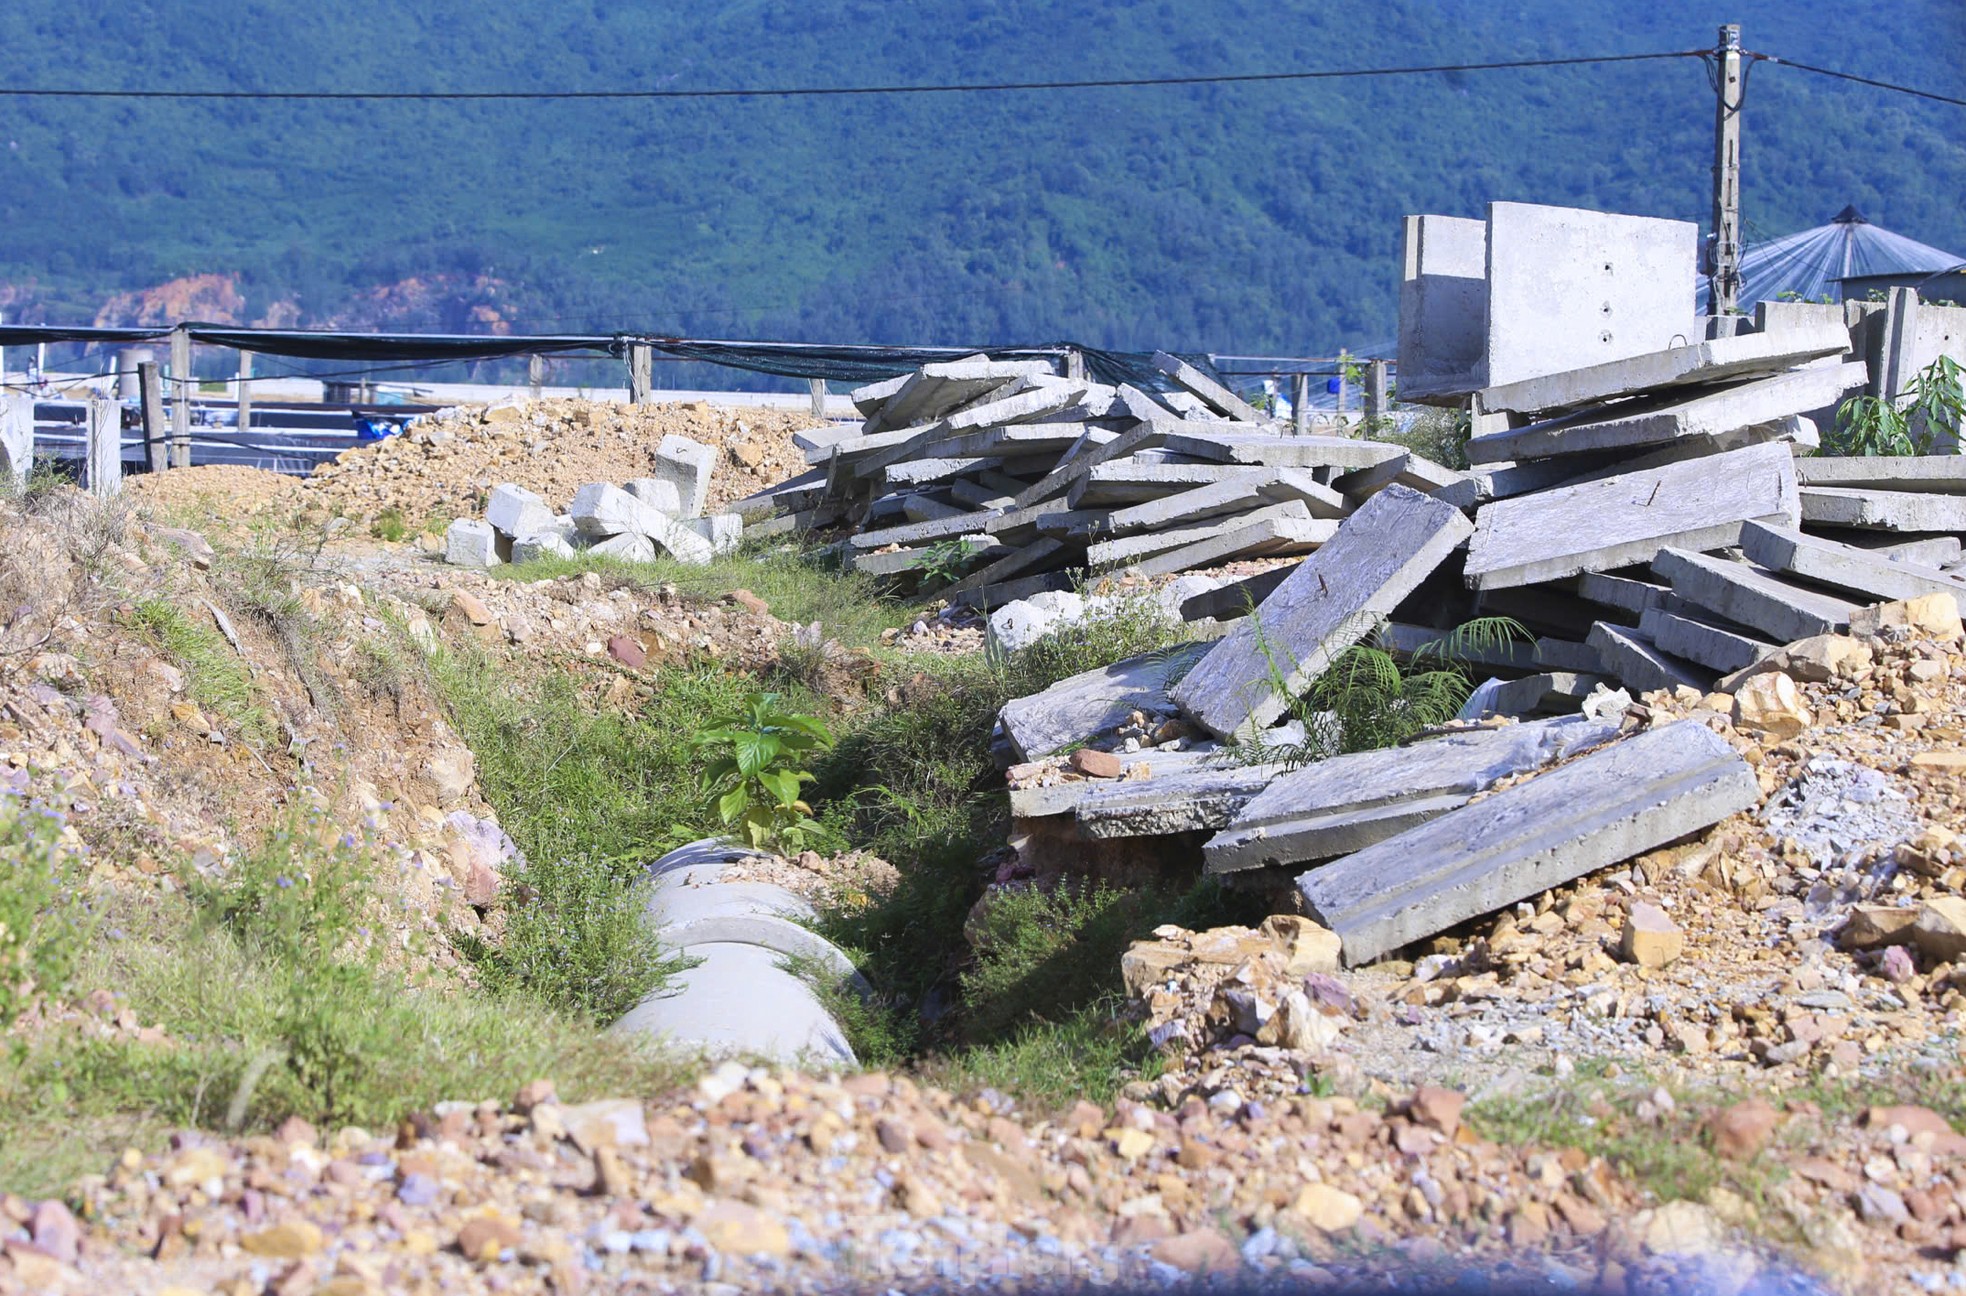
629 546
1656 420
1752 596
1116 485
688 466
1717 649
1279 451
1551 691
546 544
801 492
1619 801
980 491
1406 468
1569 289
1883 510
1443 306
1134 548
1346 803
1233 598
1205 389
1016 439
936 389
1084 706
1188 801
871 397
1055 482
1328 602
1273 537
1025 406
517 511
1911 547
724 531
1637 662
1844 567
1695 363
470 542
1937 474
1618 521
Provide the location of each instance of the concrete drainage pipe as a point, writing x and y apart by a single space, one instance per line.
738 998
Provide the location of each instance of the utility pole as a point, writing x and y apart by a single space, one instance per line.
1724 253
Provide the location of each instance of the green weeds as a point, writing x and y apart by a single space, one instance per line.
214 675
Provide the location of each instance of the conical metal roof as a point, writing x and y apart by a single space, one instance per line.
1812 264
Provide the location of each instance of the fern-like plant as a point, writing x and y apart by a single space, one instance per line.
1366 700
754 784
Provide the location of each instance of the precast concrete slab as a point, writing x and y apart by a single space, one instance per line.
1911 547
1935 474
1055 482
517 511
1634 597
1122 550
1116 485
1272 537
1675 415
1037 553
1187 801
1238 495
1205 389
1328 602
1711 646
1443 306
936 389
1406 469
1636 661
914 533
1570 289
1095 701
1882 510
1697 363
1233 598
1614 803
1345 803
1752 596
1627 519
1275 450
1844 567
688 466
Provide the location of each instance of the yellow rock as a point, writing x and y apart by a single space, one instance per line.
288 1240
1650 939
1940 928
1770 703
1307 946
1328 1209
1132 1144
743 1230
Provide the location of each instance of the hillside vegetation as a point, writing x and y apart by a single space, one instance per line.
1260 218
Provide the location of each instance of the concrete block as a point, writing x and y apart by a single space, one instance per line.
1636 662
1608 806
1633 597
470 542
1844 567
603 511
1618 521
1752 596
1275 450
1937 474
1569 289
1346 803
1692 364
546 544
1327 603
1443 306
1711 646
1089 704
1669 416
688 466
661 495
1188 801
724 531
629 546
914 533
1206 390
1882 510
919 507
518 512
930 472
1081 462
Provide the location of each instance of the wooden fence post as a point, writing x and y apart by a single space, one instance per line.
818 397
105 442
150 397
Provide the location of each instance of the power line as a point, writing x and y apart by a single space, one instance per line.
1861 80
801 92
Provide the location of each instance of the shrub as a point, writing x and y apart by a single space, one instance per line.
42 921
753 784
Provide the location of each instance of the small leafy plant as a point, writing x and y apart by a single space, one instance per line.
1876 425
943 563
42 926
754 784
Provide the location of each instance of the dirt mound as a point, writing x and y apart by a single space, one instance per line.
222 490
444 466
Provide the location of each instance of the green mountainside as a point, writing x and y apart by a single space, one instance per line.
1255 218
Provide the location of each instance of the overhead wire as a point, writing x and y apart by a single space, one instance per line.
1860 80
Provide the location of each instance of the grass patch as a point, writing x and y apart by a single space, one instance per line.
1048 1066
214 675
800 586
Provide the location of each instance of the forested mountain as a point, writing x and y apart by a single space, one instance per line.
1253 218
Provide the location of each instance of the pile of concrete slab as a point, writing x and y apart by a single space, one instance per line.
638 521
1643 499
1013 478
